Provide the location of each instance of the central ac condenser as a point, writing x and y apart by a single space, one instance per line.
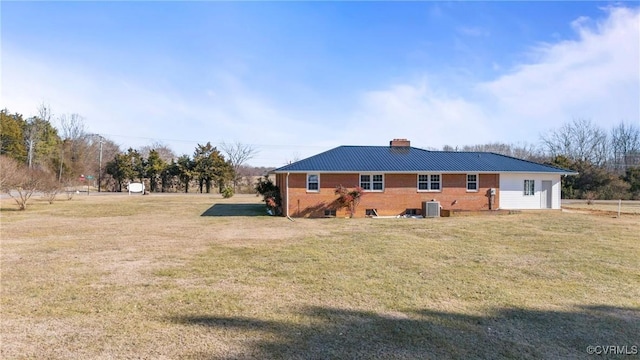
431 209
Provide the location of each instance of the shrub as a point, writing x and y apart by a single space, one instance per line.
616 189
227 192
19 182
270 194
50 188
349 198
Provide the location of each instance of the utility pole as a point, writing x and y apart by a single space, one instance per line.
100 164
99 161
61 162
30 141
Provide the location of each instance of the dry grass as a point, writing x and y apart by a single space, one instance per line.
150 277
610 207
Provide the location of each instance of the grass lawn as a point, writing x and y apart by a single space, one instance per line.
192 277
609 206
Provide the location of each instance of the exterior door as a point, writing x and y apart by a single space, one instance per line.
546 200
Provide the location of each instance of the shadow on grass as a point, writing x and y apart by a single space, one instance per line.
329 333
15 208
236 210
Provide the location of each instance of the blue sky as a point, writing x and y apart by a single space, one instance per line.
296 78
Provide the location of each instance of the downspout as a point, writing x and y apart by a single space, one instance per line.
287 197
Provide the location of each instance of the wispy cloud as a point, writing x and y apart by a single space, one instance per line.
417 112
596 77
134 114
473 31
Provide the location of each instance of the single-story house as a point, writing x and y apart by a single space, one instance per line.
397 180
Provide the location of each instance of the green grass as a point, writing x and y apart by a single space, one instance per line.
151 277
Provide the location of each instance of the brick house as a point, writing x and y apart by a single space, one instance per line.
398 178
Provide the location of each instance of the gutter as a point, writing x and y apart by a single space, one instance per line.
287 197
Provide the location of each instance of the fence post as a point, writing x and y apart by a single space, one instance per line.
619 206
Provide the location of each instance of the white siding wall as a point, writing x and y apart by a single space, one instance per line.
512 191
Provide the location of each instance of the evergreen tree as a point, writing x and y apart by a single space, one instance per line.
154 167
11 136
120 169
185 171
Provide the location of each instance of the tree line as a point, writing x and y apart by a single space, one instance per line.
607 162
48 158
207 167
64 152
36 155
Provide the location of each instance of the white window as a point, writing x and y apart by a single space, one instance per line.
529 187
472 182
313 182
429 182
372 182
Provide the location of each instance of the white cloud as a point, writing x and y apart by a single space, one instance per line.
417 112
596 77
135 114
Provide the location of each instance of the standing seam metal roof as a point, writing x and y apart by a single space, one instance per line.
409 159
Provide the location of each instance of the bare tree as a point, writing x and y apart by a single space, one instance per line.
50 188
625 146
525 151
9 168
33 129
72 126
579 140
295 157
163 150
109 150
238 154
19 182
73 137
31 138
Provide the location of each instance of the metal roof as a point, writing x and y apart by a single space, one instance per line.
389 159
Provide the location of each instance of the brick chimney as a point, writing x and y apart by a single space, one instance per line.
399 143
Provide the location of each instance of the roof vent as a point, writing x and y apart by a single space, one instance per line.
399 143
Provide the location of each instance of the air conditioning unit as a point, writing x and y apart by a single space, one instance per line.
431 209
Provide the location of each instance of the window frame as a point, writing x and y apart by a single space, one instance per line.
429 182
330 212
371 212
370 187
317 175
529 187
476 181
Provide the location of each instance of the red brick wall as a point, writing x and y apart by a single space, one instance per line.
313 204
281 184
400 193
